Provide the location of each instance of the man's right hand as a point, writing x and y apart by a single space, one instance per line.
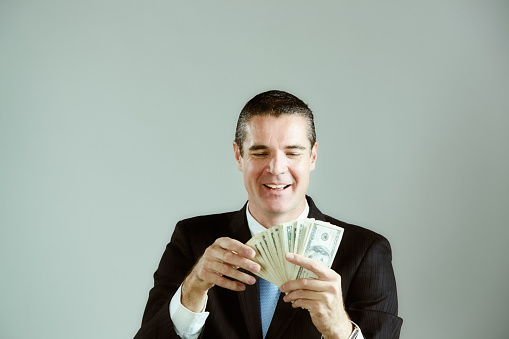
220 260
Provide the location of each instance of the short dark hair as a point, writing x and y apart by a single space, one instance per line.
273 103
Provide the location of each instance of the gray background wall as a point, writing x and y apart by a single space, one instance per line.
116 121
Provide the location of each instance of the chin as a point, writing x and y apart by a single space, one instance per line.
278 209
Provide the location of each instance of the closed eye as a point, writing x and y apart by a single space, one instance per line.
294 151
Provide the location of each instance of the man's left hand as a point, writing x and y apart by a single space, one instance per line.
322 297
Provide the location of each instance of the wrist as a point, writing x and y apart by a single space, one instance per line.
193 297
342 331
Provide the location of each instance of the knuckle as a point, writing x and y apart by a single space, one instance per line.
303 283
200 270
221 241
223 269
228 256
227 241
205 276
332 288
320 313
208 251
327 298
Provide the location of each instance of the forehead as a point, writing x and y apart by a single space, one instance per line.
270 130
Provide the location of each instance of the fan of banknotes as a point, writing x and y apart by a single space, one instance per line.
315 239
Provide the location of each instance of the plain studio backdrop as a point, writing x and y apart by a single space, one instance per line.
117 120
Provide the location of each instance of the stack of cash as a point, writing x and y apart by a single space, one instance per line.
315 239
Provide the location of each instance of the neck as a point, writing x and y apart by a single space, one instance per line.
269 220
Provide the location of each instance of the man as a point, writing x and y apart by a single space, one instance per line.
205 284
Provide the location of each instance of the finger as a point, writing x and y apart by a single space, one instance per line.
236 260
314 266
236 246
218 253
226 270
310 305
304 294
218 280
305 284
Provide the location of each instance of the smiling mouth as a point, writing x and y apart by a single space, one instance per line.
276 187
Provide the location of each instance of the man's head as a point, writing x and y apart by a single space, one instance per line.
276 151
274 103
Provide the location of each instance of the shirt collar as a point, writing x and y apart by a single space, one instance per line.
255 227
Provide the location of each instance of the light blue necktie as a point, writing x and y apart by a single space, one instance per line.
269 295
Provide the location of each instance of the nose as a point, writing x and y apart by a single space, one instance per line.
278 164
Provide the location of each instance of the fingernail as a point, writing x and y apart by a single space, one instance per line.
290 256
251 280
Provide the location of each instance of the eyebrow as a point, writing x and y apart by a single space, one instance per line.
258 147
264 147
295 147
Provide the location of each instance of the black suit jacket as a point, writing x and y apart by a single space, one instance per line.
363 260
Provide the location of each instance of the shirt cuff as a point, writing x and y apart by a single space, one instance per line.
356 332
187 323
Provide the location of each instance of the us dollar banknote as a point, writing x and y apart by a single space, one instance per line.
314 239
321 245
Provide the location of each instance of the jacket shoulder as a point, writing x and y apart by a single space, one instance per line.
212 225
358 235
207 219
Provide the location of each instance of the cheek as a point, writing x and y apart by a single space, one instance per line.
251 171
301 172
256 167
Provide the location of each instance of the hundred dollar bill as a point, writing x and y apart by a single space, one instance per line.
321 245
287 240
276 253
299 235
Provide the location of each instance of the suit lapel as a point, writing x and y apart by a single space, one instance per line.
314 212
249 299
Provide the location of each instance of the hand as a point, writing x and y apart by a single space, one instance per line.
322 297
220 260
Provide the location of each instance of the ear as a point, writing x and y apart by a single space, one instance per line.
238 157
314 155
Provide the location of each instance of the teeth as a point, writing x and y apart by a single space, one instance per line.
275 186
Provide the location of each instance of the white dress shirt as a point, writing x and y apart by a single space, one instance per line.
189 324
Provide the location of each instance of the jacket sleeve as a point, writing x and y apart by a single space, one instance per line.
372 301
176 262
